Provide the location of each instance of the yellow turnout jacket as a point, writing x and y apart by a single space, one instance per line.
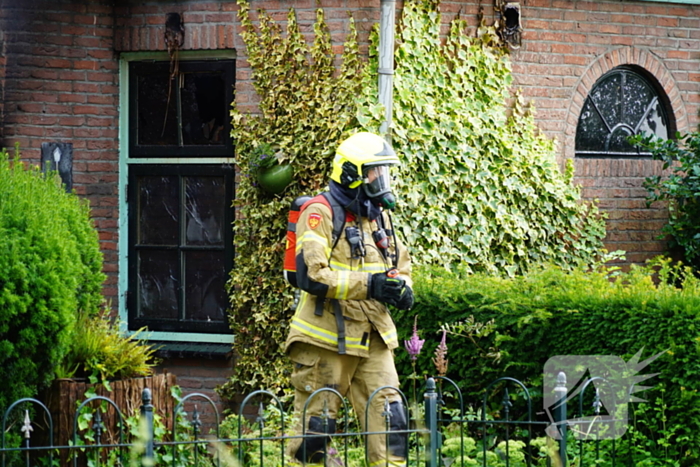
327 273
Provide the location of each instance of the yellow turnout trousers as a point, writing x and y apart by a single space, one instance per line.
355 378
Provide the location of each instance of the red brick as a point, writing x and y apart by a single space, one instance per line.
679 54
30 107
667 22
110 267
33 131
109 89
85 65
102 167
102 99
91 42
64 109
93 110
100 144
74 30
100 76
219 18
57 63
86 88
72 121
43 120
106 235
610 28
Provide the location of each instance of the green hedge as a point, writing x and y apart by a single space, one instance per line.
50 271
551 312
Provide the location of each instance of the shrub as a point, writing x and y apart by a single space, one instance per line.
511 327
50 270
680 187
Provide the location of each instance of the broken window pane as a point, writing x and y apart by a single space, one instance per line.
203 108
204 210
638 96
158 284
182 107
158 214
156 99
181 216
590 125
653 121
618 140
205 289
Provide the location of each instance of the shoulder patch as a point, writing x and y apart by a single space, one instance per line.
314 220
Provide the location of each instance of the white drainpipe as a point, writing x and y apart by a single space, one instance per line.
386 63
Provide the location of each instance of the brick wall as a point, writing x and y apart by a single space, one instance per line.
202 376
617 185
211 25
61 86
566 47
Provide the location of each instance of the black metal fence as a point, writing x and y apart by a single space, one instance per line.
500 430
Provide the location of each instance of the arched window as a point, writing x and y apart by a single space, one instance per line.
622 103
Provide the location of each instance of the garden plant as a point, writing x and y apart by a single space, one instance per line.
50 273
680 187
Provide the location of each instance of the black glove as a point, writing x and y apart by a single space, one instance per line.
385 289
405 301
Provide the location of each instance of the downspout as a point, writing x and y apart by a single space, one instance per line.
386 63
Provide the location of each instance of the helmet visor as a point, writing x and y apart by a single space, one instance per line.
376 180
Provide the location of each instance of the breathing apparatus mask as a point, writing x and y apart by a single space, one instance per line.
376 183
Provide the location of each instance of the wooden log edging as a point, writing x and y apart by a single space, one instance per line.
64 395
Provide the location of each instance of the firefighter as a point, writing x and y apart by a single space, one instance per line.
342 335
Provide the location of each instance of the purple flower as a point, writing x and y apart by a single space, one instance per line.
415 344
334 458
440 359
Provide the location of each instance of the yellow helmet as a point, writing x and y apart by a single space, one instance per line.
357 154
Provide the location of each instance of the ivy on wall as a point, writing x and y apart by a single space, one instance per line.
305 106
476 187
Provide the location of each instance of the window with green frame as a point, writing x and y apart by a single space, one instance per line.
180 237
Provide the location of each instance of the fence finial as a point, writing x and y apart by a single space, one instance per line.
27 426
147 418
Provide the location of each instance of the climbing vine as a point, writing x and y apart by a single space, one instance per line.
305 106
477 188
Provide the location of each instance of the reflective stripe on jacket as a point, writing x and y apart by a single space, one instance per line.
327 274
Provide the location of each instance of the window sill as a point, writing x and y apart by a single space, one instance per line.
167 350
